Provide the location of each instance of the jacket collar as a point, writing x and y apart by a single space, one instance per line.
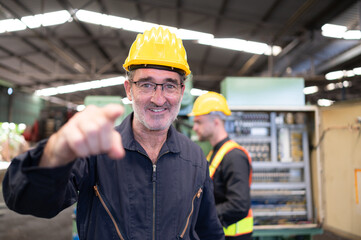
172 143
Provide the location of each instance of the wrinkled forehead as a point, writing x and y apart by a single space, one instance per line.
156 75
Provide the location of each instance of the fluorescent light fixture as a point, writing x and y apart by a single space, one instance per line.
135 25
32 21
192 35
275 50
310 90
139 26
241 45
89 16
11 25
255 47
228 43
352 34
349 73
80 86
46 19
55 18
330 87
332 30
115 22
197 92
334 75
324 102
357 71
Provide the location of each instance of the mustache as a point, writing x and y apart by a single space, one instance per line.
152 105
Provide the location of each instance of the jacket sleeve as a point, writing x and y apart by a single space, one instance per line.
42 192
236 170
208 225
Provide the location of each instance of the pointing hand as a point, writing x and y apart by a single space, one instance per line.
87 133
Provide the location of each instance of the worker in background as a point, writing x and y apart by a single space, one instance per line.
141 180
230 166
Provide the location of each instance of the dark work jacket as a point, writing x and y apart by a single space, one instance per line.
170 200
231 185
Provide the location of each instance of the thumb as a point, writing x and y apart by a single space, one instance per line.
113 111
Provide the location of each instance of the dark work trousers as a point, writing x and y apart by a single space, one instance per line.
242 237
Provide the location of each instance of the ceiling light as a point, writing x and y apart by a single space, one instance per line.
349 73
310 90
11 25
46 19
55 18
330 87
275 50
241 45
115 22
334 75
83 86
192 35
89 17
139 26
332 30
347 84
324 102
32 21
352 34
357 71
228 43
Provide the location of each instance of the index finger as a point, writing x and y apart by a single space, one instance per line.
113 111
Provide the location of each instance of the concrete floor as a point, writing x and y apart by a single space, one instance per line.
14 226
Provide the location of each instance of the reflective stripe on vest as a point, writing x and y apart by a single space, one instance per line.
245 225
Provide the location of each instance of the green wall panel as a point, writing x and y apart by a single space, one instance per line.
254 91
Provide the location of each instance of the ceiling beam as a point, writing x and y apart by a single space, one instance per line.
66 5
343 57
215 32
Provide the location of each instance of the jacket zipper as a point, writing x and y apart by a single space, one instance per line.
198 195
154 178
154 181
108 211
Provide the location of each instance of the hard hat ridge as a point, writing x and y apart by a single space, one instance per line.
157 47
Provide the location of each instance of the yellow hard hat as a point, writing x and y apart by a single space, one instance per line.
210 102
159 48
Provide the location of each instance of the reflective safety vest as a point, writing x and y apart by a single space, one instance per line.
245 225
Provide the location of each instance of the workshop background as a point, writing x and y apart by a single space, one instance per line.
289 69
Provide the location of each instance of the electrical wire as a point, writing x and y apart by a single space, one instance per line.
351 127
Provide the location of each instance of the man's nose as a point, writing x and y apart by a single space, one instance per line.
158 95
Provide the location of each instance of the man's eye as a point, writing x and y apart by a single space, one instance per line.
170 86
147 85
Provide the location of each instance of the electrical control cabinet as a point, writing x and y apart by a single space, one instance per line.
278 142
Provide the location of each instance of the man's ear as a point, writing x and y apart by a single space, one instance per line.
127 89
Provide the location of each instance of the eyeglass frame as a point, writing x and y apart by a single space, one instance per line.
156 84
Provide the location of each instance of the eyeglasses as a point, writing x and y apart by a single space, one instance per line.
168 88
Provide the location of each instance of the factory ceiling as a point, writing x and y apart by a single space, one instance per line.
77 51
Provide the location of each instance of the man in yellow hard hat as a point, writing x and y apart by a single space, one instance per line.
159 188
230 166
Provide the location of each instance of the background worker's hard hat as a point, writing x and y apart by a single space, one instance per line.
158 47
210 102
